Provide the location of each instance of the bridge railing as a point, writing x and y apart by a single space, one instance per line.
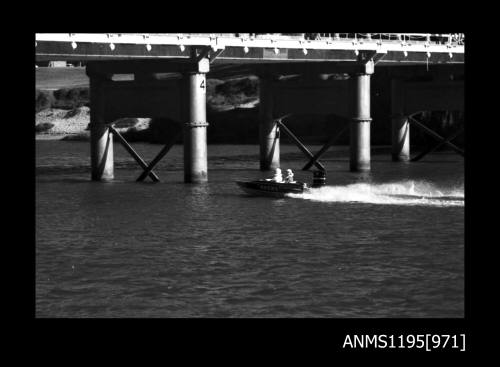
448 38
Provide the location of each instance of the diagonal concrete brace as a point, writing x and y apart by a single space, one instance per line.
133 153
297 142
436 135
325 147
438 145
160 155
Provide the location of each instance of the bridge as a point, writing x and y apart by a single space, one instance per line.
329 73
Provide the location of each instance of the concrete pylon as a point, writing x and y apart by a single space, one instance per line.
101 139
400 126
360 124
268 130
195 127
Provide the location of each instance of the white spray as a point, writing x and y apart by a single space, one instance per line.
395 193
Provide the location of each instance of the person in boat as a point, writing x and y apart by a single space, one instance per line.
278 177
289 176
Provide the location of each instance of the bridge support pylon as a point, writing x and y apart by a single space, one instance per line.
360 122
400 124
101 139
268 129
195 127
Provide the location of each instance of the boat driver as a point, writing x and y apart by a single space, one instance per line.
289 176
277 175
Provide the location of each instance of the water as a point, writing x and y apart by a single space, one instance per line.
385 244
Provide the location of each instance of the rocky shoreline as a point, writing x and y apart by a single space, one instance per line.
64 114
59 124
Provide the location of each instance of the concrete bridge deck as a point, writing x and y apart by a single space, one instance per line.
387 49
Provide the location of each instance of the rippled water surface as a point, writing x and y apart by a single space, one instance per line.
387 244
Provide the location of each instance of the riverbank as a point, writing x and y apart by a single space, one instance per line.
227 123
64 113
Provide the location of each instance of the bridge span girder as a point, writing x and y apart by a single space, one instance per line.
232 49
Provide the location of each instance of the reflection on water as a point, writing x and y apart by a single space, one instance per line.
198 197
386 244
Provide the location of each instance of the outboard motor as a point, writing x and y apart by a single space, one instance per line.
319 178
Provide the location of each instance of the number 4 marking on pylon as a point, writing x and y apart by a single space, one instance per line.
202 85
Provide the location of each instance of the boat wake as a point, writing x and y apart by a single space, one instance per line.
396 193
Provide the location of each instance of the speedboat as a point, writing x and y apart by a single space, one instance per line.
268 187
